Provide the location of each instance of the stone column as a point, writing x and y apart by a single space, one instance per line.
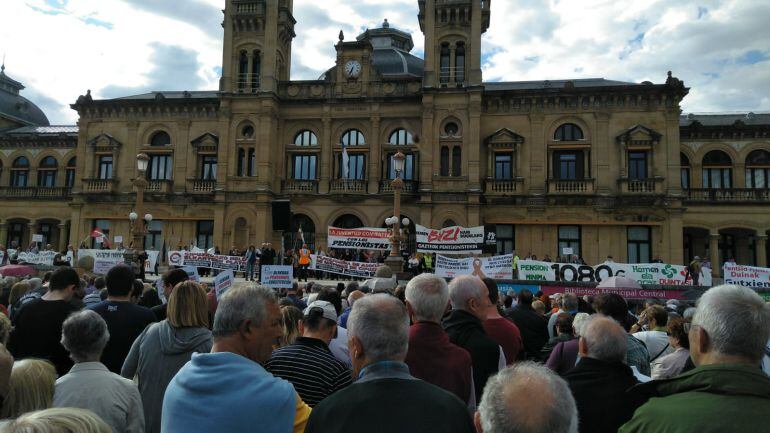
761 247
33 227
375 156
326 157
3 233
714 252
62 238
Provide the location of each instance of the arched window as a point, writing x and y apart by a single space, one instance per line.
448 223
684 171
444 66
243 70
20 172
460 63
717 170
451 129
758 169
247 132
400 137
306 138
568 132
348 221
457 161
46 172
160 138
353 137
256 66
294 238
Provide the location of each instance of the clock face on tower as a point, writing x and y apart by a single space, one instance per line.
353 69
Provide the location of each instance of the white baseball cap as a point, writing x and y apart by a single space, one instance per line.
327 307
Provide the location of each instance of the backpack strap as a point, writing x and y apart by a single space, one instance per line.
659 353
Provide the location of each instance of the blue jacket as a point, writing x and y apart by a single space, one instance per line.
225 392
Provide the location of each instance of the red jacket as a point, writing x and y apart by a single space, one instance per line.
434 359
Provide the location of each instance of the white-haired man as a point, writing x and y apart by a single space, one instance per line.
385 397
526 398
228 390
727 338
431 356
464 325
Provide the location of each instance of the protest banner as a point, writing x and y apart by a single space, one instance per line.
204 260
625 293
277 276
747 276
342 267
40 258
159 287
360 239
101 267
118 256
37 238
222 282
192 273
642 273
497 267
450 240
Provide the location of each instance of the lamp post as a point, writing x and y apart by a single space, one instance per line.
394 260
138 231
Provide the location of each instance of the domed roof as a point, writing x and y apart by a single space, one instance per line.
391 57
15 107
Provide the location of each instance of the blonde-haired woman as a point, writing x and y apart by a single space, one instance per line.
31 388
59 420
164 347
291 322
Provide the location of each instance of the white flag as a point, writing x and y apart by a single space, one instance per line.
345 162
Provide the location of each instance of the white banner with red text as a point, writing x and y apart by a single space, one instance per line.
102 257
450 240
342 267
204 260
364 238
643 273
497 267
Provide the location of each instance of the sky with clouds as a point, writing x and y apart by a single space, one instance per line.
719 48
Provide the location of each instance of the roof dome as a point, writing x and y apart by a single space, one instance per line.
391 56
15 107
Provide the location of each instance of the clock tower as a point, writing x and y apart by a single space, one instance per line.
257 45
453 30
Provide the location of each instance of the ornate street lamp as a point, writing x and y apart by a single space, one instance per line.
394 260
138 230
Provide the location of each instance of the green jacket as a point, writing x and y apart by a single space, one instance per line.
713 398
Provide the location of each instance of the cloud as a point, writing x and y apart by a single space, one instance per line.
719 48
170 68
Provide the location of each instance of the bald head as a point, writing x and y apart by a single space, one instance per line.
603 339
354 296
527 398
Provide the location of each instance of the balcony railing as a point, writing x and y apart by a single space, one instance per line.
300 186
348 185
728 195
247 83
641 186
501 186
35 192
99 185
201 186
410 187
159 186
579 186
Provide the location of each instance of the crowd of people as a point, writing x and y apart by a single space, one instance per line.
106 355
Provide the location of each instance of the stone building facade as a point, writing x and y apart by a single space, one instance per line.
599 166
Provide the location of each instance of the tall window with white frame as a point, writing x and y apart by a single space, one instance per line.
69 177
506 238
208 167
460 63
161 161
503 165
356 161
639 244
445 69
717 170
569 242
20 172
758 169
684 171
304 165
46 172
105 167
637 165
204 234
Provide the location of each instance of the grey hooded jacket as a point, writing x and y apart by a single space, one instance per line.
156 356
